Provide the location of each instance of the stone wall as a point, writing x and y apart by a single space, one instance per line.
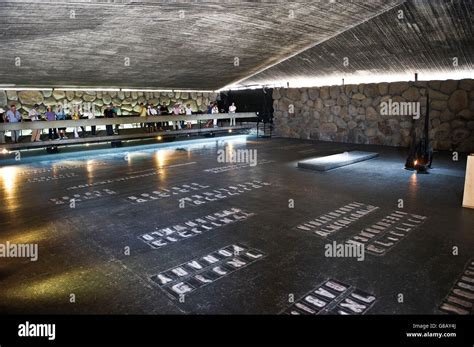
127 102
352 113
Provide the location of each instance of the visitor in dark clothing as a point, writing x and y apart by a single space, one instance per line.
109 112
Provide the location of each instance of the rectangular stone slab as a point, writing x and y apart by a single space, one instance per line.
468 200
337 160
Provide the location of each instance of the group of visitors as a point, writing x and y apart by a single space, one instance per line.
34 115
176 110
76 113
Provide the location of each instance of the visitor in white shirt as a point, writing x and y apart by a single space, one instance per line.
90 115
176 112
151 111
232 109
35 116
215 110
189 112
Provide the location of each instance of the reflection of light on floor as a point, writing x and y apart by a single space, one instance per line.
237 140
8 176
161 157
413 184
230 149
90 168
51 287
31 236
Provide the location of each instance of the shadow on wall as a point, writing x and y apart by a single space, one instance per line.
379 113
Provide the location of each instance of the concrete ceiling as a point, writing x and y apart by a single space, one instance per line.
179 44
424 37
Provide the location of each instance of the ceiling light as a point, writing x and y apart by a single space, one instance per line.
147 90
26 88
70 89
193 91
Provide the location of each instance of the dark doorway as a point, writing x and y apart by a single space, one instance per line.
249 100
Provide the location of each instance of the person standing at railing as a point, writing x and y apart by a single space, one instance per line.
117 126
76 115
164 112
51 116
142 113
90 115
34 116
151 111
215 110
61 115
209 111
176 111
189 112
159 125
2 120
13 116
232 110
109 112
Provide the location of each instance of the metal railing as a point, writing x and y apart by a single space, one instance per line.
31 125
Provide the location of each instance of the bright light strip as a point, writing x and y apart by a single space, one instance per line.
259 86
146 90
26 88
88 89
193 91
363 77
167 90
367 77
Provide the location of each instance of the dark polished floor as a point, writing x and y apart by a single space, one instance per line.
83 248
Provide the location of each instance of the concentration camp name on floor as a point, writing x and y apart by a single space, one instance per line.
178 232
166 193
58 167
197 273
222 193
115 180
82 197
386 233
162 167
460 299
333 297
336 220
50 178
216 170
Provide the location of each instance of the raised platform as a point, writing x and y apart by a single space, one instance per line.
337 160
126 134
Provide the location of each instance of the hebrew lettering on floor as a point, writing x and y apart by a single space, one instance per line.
380 237
164 193
197 273
333 297
51 178
166 236
113 180
82 197
221 193
132 175
219 169
460 299
338 219
55 168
